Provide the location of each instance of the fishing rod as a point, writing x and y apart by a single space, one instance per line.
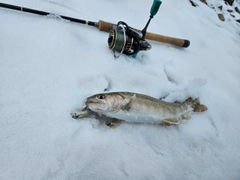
132 40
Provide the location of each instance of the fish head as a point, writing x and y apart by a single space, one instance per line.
108 102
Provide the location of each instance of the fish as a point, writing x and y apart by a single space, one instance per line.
139 108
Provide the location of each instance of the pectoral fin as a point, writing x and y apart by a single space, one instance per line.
126 105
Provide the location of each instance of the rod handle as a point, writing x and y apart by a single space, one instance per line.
166 39
107 27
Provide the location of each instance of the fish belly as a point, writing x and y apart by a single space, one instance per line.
135 118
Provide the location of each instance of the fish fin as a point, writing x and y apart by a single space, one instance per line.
166 124
200 108
126 106
197 106
170 121
112 122
186 117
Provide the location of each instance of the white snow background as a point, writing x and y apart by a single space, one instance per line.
49 66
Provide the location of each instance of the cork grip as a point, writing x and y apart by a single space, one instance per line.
167 39
107 27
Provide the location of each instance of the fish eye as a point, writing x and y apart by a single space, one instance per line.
101 96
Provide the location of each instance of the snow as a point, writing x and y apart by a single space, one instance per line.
49 66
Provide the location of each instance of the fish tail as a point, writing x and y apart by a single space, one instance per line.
196 105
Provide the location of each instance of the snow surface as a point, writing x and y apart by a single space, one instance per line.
49 66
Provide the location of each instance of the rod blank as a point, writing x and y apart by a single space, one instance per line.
44 13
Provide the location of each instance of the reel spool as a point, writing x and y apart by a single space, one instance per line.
123 40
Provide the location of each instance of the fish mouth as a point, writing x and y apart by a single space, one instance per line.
94 106
93 101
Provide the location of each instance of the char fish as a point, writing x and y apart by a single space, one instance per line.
139 108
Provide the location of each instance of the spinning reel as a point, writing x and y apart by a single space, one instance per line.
127 40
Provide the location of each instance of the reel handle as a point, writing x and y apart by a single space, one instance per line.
155 6
107 27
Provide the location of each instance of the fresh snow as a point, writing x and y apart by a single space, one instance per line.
49 66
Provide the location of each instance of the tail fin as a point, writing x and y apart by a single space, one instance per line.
197 106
